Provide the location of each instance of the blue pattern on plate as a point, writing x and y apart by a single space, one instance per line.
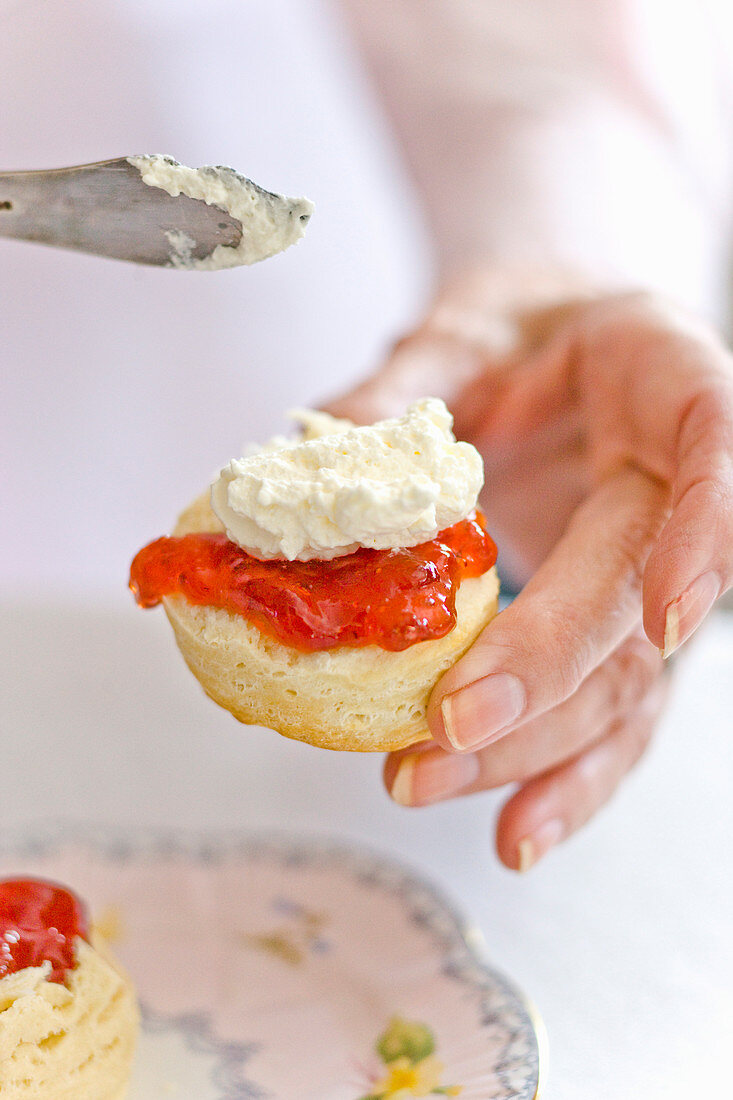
503 1013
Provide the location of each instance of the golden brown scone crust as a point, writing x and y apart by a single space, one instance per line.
365 699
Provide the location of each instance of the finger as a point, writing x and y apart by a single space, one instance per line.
616 689
425 773
551 469
659 386
471 325
579 606
551 807
478 323
692 563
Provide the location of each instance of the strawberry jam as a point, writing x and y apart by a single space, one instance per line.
39 922
391 598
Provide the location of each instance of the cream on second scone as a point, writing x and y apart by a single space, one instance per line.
392 484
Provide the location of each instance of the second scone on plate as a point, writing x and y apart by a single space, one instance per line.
325 583
69 1017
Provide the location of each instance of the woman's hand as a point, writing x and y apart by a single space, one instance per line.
606 425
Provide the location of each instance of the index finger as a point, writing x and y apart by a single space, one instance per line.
692 563
667 399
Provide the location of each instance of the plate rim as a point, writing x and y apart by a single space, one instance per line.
367 862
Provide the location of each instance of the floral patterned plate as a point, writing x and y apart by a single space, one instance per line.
292 969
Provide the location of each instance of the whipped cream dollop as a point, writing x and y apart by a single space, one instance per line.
340 487
270 222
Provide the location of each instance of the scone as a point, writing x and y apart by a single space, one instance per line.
68 1014
366 574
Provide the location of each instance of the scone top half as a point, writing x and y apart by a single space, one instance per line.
324 584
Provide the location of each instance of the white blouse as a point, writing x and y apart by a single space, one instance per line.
597 135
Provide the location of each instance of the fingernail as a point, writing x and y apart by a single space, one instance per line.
401 789
432 776
685 614
533 847
479 713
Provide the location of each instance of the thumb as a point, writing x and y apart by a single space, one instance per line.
477 322
424 364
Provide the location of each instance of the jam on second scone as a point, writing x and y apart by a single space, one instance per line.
39 922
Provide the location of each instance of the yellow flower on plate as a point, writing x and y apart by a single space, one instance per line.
407 1050
405 1078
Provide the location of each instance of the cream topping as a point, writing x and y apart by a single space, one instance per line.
270 223
392 484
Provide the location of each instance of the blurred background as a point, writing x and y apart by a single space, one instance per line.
125 388
123 391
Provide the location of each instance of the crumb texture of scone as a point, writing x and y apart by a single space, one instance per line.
364 699
74 1041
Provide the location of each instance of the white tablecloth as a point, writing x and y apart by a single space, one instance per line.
622 938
